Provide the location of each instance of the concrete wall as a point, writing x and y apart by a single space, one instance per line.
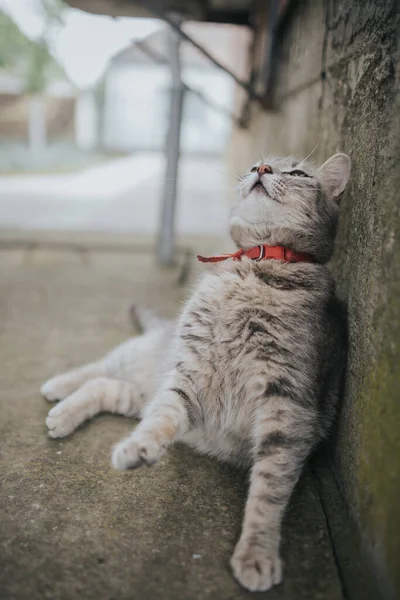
337 85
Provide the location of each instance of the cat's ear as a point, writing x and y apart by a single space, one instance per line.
335 174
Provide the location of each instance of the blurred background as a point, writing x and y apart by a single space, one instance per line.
84 114
123 127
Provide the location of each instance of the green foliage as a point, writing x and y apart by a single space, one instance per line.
53 9
13 44
31 60
38 64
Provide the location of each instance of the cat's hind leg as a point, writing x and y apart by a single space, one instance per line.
146 319
98 395
61 386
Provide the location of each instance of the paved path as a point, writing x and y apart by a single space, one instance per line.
122 195
71 527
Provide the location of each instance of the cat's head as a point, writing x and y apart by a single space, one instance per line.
284 201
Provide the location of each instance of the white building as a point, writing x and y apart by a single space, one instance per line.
136 103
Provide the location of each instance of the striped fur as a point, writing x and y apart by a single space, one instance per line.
251 371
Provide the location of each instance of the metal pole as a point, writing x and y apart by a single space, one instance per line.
159 58
165 245
176 25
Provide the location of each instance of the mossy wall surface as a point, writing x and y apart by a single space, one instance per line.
337 85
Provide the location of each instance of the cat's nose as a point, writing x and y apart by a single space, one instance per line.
264 170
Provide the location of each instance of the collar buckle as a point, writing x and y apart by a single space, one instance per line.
262 252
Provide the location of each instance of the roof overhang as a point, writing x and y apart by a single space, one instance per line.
217 11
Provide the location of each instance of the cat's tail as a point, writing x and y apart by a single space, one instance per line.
145 318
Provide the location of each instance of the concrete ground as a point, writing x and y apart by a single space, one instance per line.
70 526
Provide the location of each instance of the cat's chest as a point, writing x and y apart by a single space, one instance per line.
232 316
231 297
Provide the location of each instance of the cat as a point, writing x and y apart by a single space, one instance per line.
251 371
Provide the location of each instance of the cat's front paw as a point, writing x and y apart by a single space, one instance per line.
256 569
61 420
57 388
135 451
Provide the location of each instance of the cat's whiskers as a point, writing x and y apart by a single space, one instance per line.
288 195
307 157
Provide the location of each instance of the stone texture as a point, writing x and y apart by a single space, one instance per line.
70 526
337 85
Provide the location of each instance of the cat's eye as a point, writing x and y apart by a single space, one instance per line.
253 169
298 173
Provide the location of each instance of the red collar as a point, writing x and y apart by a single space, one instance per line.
262 252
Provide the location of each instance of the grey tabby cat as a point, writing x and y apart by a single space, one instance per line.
251 371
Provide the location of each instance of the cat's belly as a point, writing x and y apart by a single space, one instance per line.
236 336
223 445
225 427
